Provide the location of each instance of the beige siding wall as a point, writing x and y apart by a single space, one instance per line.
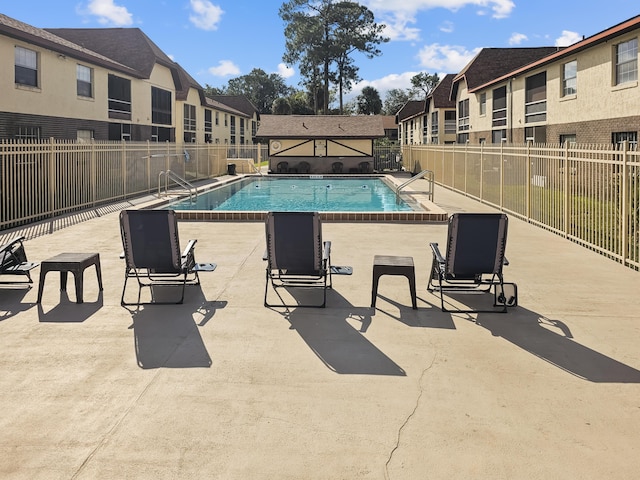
349 148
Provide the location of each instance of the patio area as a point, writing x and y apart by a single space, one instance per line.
222 387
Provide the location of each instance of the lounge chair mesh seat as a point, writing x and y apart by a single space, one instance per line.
475 256
13 262
152 252
296 255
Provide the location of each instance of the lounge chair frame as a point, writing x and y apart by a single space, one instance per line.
13 262
287 265
168 266
475 256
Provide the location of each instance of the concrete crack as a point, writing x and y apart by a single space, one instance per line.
408 419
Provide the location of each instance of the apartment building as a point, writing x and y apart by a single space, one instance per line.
105 84
432 120
586 93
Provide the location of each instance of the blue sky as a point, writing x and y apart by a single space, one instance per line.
215 40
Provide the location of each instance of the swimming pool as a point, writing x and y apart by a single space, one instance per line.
300 195
369 199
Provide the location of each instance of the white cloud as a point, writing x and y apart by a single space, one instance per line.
447 27
568 38
109 13
206 15
445 58
285 71
225 68
397 15
517 38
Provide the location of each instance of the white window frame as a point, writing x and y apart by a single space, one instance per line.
570 78
626 61
27 59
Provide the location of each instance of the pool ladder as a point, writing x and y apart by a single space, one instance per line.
428 174
174 177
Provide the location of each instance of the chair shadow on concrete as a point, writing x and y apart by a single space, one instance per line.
68 311
423 317
167 336
343 348
11 302
552 341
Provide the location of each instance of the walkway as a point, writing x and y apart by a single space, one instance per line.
224 388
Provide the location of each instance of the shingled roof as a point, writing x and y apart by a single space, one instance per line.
237 102
129 46
411 109
46 39
440 95
491 63
320 126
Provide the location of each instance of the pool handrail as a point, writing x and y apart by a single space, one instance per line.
168 174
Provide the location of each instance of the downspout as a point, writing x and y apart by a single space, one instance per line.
510 119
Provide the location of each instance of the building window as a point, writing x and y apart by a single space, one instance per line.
498 136
254 128
463 115
84 136
84 81
217 118
482 103
28 134
208 126
232 129
463 137
226 120
119 131
535 134
631 137
569 78
189 123
569 138
434 123
119 97
160 134
160 106
499 118
450 122
535 107
627 61
26 65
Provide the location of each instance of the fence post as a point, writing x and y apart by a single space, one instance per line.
624 203
466 159
148 166
481 171
52 177
502 175
565 186
528 180
123 158
94 169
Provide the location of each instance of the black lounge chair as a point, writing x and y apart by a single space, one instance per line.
13 262
364 167
475 255
152 253
283 167
296 255
336 167
304 167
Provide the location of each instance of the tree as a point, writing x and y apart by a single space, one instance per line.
281 106
395 99
355 31
300 103
425 82
260 88
320 34
369 102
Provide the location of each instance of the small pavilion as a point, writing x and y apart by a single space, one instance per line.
320 144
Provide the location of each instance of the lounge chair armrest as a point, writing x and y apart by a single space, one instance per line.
122 254
436 253
8 245
505 261
326 250
265 255
189 248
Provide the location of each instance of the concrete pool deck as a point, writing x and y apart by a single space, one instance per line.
224 388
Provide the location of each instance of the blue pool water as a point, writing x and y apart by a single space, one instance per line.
298 195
